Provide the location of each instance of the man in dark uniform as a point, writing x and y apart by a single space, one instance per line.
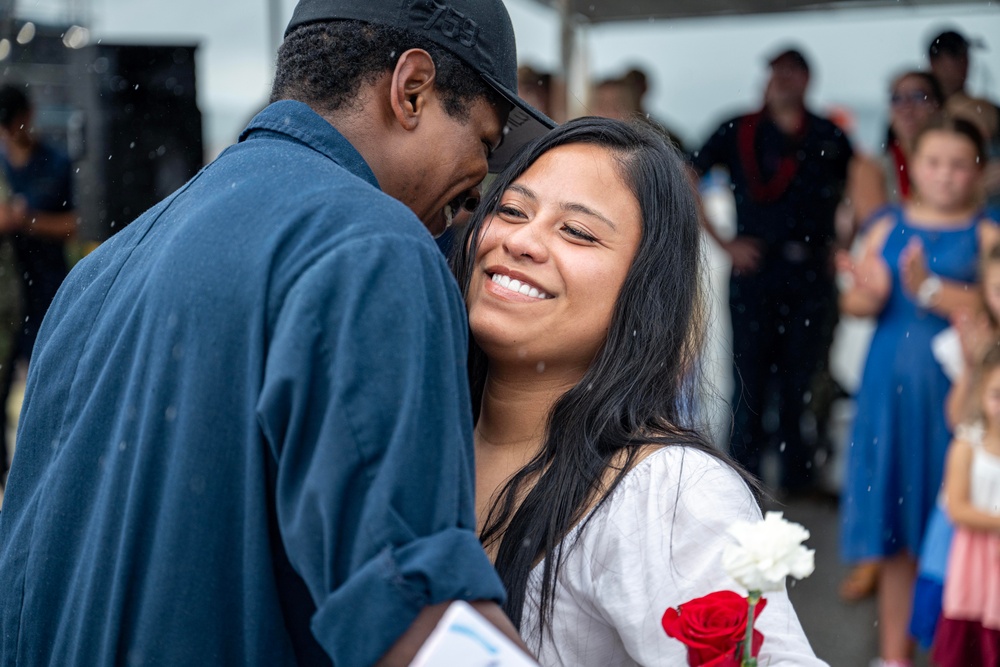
40 218
788 167
247 434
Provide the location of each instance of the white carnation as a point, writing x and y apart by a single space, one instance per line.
767 552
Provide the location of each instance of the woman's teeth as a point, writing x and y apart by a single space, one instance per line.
518 286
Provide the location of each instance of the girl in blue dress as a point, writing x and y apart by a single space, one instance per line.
917 268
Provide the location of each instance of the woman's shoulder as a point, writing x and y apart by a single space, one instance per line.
676 478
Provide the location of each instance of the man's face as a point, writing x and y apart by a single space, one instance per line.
18 133
788 82
451 159
951 70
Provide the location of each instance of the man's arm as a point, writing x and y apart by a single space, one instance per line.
745 253
365 407
16 217
53 226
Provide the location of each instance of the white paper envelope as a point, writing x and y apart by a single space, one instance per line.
463 638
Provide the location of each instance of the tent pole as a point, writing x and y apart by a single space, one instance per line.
574 61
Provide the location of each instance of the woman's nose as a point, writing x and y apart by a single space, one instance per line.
525 240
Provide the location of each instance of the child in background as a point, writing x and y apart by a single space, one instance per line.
916 268
960 350
965 345
968 634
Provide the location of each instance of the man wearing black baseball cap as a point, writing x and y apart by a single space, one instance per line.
948 56
247 436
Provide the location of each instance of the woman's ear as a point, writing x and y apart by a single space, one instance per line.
412 82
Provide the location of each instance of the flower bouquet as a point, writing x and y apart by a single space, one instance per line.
718 628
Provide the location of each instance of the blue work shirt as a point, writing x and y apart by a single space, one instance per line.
246 435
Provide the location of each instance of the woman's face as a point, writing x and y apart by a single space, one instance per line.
912 106
946 170
552 260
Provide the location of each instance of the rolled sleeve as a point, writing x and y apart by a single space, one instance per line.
388 592
365 406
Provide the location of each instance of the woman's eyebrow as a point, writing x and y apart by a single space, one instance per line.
571 207
520 189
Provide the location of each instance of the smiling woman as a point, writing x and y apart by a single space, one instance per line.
553 233
599 500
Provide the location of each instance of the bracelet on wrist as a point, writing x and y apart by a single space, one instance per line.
929 291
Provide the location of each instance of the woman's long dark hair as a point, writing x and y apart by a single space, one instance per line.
640 388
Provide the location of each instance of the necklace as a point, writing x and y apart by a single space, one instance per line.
771 190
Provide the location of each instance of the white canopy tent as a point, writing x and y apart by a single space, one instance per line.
577 15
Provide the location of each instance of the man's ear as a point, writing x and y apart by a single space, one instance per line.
412 81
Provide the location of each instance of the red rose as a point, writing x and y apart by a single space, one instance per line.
713 628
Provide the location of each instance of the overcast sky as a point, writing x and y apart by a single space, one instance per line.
701 69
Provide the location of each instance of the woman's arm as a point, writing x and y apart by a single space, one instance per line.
957 494
659 543
956 403
866 192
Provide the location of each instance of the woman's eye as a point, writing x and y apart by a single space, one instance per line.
509 211
579 233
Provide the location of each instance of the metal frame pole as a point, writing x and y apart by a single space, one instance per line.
574 60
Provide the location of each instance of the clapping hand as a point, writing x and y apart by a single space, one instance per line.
976 333
913 269
869 275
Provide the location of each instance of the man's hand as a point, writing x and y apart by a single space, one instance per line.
745 254
13 215
405 648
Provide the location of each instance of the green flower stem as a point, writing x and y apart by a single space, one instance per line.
748 658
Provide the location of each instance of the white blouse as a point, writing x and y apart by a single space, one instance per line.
655 543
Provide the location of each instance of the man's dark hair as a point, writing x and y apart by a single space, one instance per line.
13 103
325 64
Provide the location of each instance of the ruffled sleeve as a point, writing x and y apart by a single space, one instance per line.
658 542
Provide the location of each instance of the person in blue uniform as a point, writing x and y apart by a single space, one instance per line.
788 168
246 436
39 218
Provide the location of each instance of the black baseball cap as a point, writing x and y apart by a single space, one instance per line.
479 32
791 55
950 42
